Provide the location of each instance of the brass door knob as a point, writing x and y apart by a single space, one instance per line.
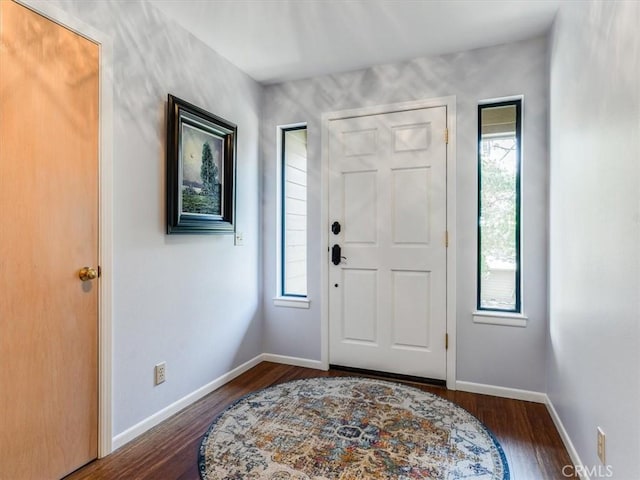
87 273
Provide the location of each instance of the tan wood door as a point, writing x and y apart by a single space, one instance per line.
49 88
387 296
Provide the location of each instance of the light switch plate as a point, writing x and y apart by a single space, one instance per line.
239 239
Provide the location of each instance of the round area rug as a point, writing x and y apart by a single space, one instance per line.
348 428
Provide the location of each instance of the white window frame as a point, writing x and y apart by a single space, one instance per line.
284 300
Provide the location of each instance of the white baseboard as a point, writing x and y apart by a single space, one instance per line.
573 453
158 417
513 393
153 420
530 396
296 361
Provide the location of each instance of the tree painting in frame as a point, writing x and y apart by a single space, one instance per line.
200 170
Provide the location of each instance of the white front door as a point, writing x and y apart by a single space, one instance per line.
387 190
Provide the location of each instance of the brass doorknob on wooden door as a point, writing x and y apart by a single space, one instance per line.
87 273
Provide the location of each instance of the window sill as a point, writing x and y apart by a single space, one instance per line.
292 302
508 319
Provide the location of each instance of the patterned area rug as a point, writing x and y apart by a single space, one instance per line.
347 429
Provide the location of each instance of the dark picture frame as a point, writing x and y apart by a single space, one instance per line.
201 170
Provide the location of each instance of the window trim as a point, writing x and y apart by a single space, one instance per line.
283 299
500 317
517 102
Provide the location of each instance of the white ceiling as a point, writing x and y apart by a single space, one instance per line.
277 40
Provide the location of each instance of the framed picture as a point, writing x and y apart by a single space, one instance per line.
200 170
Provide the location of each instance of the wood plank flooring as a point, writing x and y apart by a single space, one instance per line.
169 451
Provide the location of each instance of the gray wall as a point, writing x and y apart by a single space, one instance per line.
594 334
496 355
192 301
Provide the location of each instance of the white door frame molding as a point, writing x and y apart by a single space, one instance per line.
450 104
105 199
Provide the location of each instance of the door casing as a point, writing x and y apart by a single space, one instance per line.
450 103
105 200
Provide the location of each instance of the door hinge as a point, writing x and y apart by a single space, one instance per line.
446 341
446 136
446 238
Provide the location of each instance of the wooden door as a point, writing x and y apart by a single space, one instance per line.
49 87
387 189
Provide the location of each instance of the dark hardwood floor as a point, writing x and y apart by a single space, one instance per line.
169 451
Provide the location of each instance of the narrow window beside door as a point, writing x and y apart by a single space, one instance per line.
499 162
293 212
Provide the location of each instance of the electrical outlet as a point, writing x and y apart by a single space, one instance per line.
161 372
601 446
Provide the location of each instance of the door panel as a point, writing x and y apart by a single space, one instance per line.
387 188
360 192
49 209
411 314
411 187
359 316
412 138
